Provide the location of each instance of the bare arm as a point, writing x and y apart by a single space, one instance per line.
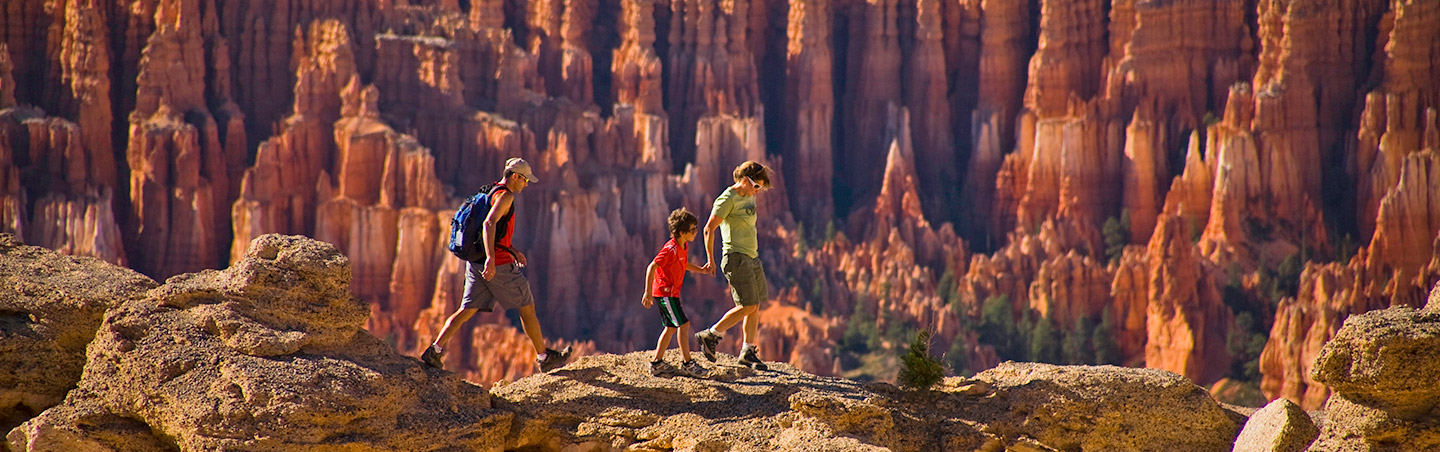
710 239
649 285
500 206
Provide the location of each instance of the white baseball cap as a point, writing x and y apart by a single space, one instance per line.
519 166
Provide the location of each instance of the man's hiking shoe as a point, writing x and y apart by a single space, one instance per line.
693 368
553 359
749 356
708 341
432 357
659 368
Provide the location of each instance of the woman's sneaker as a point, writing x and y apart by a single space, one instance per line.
693 368
433 357
749 356
708 341
553 359
659 368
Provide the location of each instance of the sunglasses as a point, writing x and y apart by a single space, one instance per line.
753 184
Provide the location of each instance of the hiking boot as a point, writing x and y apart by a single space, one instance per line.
708 341
658 368
433 357
553 359
749 356
694 369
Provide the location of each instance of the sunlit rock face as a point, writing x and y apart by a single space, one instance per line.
926 156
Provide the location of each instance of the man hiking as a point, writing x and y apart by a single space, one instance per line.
734 213
497 280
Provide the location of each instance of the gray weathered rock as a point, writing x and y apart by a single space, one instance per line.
1105 408
267 355
50 306
1383 366
1282 426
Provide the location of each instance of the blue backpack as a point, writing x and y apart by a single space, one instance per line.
467 240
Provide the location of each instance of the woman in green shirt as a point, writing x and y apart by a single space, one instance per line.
734 213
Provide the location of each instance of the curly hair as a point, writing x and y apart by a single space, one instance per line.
681 221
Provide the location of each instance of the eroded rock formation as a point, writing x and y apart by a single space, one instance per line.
50 307
1236 137
276 335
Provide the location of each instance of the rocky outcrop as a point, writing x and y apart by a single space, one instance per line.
274 357
1046 403
50 307
789 410
1378 365
1279 427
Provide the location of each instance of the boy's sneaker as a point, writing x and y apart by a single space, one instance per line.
749 356
433 357
658 368
553 359
708 341
693 368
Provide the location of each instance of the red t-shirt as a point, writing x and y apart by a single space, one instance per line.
670 269
503 257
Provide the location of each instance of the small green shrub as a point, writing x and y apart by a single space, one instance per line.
919 370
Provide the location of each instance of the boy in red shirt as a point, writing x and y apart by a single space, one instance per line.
663 287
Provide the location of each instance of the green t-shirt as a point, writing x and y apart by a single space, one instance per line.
738 211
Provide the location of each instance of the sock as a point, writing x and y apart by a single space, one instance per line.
656 362
541 357
747 345
438 348
716 333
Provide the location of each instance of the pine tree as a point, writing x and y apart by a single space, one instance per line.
919 370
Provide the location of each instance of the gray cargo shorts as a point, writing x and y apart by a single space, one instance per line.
509 288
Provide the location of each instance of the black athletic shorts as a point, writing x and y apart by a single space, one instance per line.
671 314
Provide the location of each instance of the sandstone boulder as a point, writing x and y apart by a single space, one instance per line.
50 306
611 402
1282 426
1382 366
1104 408
269 354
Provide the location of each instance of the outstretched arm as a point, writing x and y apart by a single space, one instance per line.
710 242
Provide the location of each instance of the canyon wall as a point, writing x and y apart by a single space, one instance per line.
1211 188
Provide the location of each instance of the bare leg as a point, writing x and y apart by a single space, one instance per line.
733 316
531 325
684 341
664 343
452 325
752 326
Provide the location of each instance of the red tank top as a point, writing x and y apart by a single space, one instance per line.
502 242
